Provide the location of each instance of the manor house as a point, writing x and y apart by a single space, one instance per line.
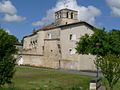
54 45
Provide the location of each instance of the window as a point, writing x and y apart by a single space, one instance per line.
57 16
66 23
35 41
67 15
49 36
59 46
60 14
70 36
43 49
31 42
72 51
73 37
71 15
60 51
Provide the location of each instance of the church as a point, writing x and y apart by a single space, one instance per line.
53 46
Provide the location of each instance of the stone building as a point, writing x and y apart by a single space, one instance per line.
54 45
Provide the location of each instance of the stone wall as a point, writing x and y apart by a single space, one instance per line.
86 62
67 44
51 53
68 64
33 60
55 33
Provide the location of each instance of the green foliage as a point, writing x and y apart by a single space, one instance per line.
110 67
109 42
106 45
7 61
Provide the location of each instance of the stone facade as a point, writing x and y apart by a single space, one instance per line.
54 46
66 16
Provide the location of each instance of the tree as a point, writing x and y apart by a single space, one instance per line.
106 45
110 67
109 42
7 60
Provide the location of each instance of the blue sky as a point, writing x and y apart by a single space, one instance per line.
20 17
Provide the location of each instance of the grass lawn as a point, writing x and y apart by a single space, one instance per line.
116 87
34 79
27 78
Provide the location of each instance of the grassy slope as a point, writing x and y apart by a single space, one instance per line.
28 78
35 79
116 87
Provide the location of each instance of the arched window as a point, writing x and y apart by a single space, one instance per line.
56 16
60 15
72 16
67 16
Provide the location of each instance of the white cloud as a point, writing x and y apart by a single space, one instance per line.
8 31
115 6
13 18
87 14
7 7
10 12
46 20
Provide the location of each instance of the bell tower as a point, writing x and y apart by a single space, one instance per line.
66 16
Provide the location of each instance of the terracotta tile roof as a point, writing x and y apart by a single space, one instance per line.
48 27
78 23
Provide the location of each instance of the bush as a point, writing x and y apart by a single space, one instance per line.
7 60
